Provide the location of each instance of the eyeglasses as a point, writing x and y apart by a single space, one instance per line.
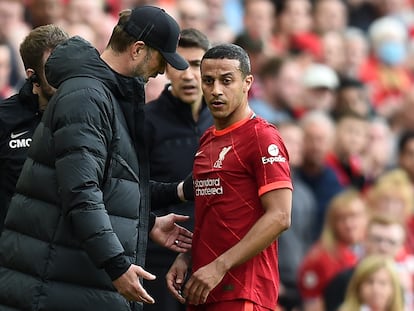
385 240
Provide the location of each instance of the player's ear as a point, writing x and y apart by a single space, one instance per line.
248 81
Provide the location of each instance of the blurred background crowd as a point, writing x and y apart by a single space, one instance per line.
336 77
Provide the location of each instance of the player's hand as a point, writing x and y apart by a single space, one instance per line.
202 282
176 276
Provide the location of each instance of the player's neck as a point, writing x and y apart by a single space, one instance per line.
235 117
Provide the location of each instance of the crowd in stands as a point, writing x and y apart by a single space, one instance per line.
336 77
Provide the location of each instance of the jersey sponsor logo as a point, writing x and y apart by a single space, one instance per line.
310 280
275 157
209 186
20 143
14 136
222 155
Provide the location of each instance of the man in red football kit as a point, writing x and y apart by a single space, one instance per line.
243 195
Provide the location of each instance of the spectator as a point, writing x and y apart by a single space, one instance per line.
241 154
295 242
362 13
374 286
174 123
337 249
259 23
334 51
392 195
83 30
21 113
192 14
283 88
329 15
351 97
83 197
288 11
280 81
401 10
6 89
405 150
403 120
45 12
346 158
320 83
319 137
92 13
218 30
386 237
13 29
384 72
356 51
379 155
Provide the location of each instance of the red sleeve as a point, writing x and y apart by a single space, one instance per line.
270 159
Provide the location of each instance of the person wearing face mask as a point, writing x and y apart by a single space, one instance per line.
385 73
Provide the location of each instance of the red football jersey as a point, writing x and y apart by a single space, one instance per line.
232 169
319 266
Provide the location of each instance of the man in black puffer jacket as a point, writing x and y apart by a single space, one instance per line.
76 231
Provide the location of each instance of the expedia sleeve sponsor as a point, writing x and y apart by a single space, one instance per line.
271 160
275 156
209 186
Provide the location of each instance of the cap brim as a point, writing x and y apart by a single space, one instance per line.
175 60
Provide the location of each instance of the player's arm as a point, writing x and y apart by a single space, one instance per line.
276 219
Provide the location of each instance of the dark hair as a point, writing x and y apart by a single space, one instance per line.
230 51
271 67
405 138
251 45
350 82
193 38
37 42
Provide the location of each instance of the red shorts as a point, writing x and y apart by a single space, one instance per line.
232 305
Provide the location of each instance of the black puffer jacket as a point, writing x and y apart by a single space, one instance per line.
83 195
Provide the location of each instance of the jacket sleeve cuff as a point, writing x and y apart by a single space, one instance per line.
117 266
163 194
151 222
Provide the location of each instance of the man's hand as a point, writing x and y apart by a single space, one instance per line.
203 281
176 276
129 286
168 234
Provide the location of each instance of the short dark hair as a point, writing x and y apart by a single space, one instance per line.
271 67
37 42
230 51
193 38
405 138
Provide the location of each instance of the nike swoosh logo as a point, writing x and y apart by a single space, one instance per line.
14 136
198 153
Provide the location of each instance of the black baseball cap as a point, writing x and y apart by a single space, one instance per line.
158 30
